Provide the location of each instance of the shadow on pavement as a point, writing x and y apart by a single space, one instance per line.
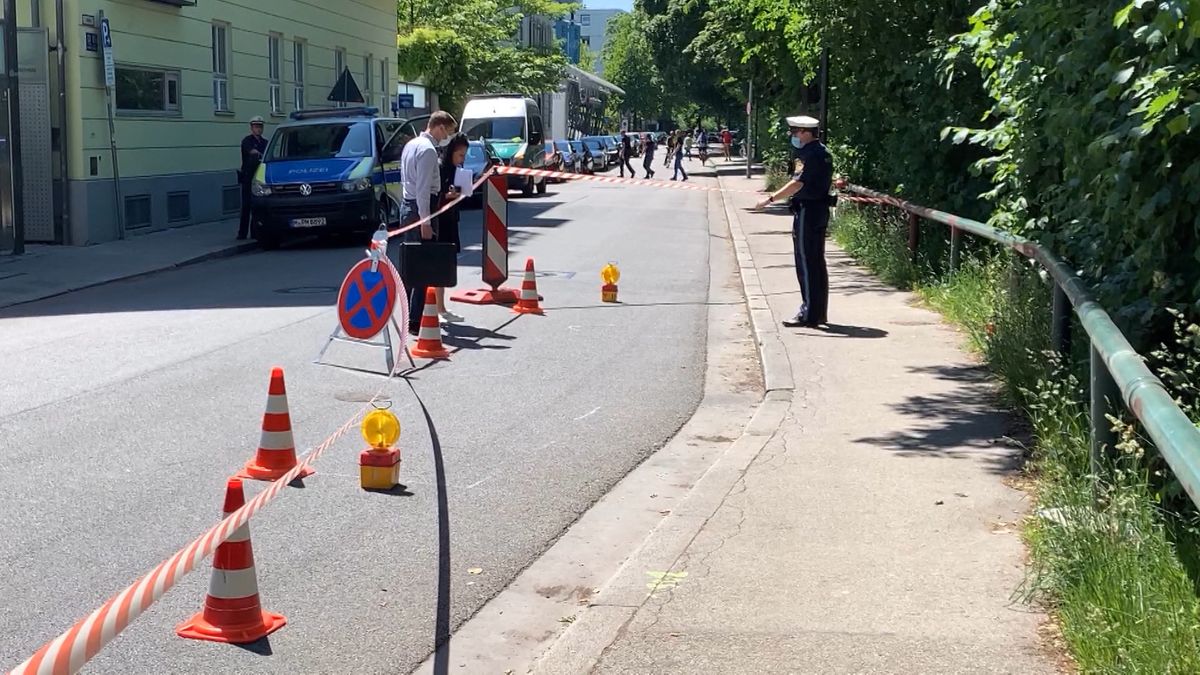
261 646
964 423
857 332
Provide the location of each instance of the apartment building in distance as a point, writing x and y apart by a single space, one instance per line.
593 30
187 77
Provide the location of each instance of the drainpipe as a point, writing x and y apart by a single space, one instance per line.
64 150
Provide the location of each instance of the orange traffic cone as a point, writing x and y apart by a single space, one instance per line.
276 447
528 304
232 612
429 338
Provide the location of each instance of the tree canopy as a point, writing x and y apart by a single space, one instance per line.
469 46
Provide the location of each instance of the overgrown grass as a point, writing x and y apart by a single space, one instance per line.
1106 555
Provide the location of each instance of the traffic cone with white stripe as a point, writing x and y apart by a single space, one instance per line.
429 337
276 448
528 303
232 612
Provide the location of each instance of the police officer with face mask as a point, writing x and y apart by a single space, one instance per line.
810 200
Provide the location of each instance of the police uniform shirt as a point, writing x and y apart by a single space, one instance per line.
250 162
816 174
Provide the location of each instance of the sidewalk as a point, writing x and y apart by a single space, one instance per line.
861 525
45 270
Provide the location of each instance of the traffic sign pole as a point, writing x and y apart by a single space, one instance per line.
110 83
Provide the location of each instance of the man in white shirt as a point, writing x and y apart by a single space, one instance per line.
421 180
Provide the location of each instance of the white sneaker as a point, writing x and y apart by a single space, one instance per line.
451 317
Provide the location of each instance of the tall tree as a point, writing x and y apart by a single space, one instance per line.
469 46
629 64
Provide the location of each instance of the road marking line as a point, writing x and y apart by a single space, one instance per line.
593 412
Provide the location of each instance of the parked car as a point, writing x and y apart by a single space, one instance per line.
583 157
330 171
554 160
613 144
595 144
570 161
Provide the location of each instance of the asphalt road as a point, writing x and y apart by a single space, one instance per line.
124 408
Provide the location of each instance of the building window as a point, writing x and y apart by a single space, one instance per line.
220 66
383 78
368 80
179 207
137 211
585 19
147 90
298 67
274 72
339 66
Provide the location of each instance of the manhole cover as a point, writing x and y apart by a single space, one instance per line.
307 290
517 274
360 397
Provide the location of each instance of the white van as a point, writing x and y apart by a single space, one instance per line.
512 125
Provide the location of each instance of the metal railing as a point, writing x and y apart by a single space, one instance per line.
1116 370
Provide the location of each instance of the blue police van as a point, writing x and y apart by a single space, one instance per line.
330 171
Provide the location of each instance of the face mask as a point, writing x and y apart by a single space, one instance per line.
797 143
444 142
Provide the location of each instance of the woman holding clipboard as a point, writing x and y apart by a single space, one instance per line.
453 156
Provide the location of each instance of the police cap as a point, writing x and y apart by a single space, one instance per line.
803 122
257 119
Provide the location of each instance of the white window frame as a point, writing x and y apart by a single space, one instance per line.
299 66
170 76
275 73
368 79
339 64
222 55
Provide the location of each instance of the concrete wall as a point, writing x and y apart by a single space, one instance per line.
593 24
195 150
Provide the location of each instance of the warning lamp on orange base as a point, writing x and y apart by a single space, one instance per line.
379 465
610 275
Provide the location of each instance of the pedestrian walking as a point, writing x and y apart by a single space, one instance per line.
809 193
453 156
702 145
727 142
623 155
253 147
421 179
670 142
648 146
687 143
679 140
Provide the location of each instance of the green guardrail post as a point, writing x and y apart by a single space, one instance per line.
1104 394
955 248
1060 326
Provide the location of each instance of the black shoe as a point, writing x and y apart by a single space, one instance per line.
414 330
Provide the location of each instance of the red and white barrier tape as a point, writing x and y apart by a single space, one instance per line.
68 652
675 185
445 207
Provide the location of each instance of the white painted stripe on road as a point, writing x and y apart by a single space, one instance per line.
232 584
277 440
277 403
588 414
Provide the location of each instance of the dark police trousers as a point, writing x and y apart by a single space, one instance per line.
416 295
809 227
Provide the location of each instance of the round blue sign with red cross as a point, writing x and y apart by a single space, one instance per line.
366 300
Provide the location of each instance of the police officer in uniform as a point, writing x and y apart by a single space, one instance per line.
809 193
253 147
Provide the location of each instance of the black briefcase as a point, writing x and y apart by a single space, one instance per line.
428 263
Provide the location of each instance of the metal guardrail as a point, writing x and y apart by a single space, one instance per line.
1116 370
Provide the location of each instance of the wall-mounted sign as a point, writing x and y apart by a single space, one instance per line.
91 41
88 19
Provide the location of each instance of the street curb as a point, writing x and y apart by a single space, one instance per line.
227 252
777 367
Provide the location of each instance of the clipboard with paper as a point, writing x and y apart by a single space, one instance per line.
463 181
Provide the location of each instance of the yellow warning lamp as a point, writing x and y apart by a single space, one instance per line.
610 274
381 429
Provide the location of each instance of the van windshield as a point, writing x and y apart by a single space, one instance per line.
500 129
321 141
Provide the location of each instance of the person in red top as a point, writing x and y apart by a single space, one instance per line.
727 142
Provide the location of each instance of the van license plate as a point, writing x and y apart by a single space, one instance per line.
308 222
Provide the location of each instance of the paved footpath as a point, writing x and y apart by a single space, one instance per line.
862 524
45 271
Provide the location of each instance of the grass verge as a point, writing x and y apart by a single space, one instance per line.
1113 560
